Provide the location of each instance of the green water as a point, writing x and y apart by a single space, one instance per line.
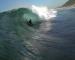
16 34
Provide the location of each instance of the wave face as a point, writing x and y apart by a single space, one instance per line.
17 27
23 36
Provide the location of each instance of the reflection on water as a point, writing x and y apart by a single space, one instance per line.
52 39
57 43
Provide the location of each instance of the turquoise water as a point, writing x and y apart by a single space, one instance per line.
16 34
24 36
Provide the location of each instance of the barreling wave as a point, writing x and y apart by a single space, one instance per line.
23 36
17 27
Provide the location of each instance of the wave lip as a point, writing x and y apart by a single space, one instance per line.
44 12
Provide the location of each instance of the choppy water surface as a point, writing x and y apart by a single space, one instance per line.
51 39
57 36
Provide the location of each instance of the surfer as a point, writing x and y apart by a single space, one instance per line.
29 23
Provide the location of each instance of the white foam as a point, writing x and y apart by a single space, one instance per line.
44 12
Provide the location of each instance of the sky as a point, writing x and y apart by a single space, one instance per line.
12 4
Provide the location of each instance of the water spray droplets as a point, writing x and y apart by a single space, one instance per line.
44 12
